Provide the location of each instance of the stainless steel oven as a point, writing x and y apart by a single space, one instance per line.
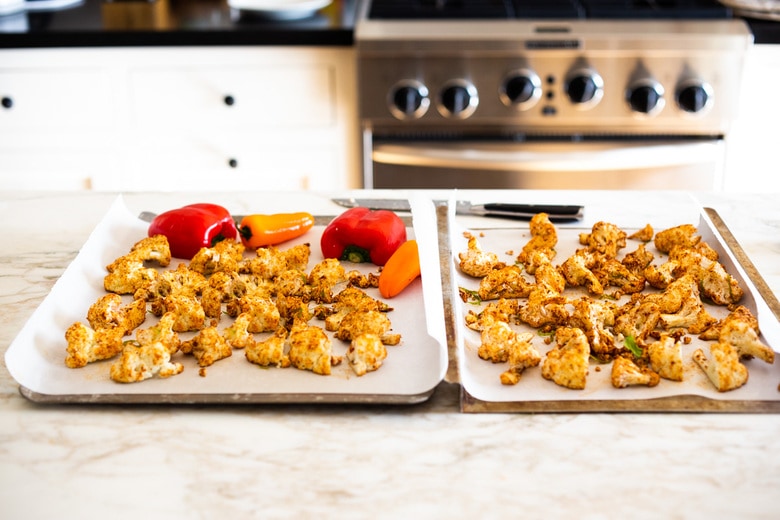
571 94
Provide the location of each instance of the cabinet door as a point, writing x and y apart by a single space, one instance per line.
56 169
43 100
231 98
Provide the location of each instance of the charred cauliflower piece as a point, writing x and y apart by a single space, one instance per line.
577 271
637 318
645 234
595 318
153 249
691 314
208 346
475 262
366 353
87 345
109 311
544 238
638 260
310 349
567 364
605 238
522 355
627 373
665 357
507 282
138 363
324 277
544 308
739 331
162 332
361 321
269 352
504 309
127 275
188 311
223 287
263 313
496 341
723 368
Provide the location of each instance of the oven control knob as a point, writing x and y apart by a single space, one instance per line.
521 88
408 99
694 96
646 97
458 99
584 87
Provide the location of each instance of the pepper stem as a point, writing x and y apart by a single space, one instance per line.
355 255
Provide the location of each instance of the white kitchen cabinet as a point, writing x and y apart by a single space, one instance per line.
178 118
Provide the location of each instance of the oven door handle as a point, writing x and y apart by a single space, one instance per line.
548 157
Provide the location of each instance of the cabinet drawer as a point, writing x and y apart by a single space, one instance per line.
57 170
54 100
231 98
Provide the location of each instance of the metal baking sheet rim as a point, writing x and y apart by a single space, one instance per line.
681 403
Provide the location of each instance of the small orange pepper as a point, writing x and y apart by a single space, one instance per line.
400 270
267 230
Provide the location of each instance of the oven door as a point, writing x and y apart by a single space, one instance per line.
694 164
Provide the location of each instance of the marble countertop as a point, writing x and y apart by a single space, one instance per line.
327 461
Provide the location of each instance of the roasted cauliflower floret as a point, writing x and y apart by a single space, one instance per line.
153 249
723 368
495 342
138 363
366 353
361 321
661 276
605 238
269 351
475 262
208 346
684 235
310 349
188 311
226 255
162 332
595 318
223 287
522 355
627 373
738 331
645 234
577 271
504 309
324 277
292 309
637 318
665 356
109 311
544 308
87 345
507 282
292 282
638 260
237 334
567 364
127 275
264 315
613 273
691 314
544 238
549 278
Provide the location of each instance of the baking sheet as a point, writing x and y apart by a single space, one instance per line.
409 374
481 387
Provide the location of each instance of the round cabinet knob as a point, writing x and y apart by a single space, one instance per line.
584 87
229 100
408 100
646 97
458 99
7 102
694 96
521 88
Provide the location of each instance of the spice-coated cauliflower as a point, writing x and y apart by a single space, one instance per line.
507 282
162 332
475 262
522 355
605 238
87 345
544 238
365 353
665 356
567 364
310 349
109 311
723 368
269 352
208 346
625 373
138 363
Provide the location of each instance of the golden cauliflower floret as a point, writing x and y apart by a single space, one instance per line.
503 309
577 271
495 341
692 316
665 356
183 281
475 262
738 331
613 273
225 255
310 349
549 278
637 318
207 347
645 234
719 286
127 275
544 238
153 249
507 282
361 321
269 352
324 277
222 287
292 309
595 319
297 257
267 264
605 238
355 298
522 355
188 311
162 332
661 276
544 308
567 364
264 315
364 281
684 235
138 363
237 334
723 368
292 282
638 260
366 353
109 311
87 345
627 373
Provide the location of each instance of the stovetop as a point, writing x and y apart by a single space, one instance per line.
547 9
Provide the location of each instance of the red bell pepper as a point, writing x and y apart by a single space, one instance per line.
363 235
192 227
